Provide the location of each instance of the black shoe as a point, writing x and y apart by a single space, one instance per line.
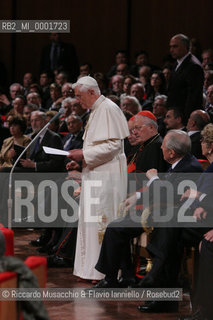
195 316
58 262
127 282
159 306
37 243
147 282
106 284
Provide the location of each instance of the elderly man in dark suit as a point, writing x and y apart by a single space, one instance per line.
196 122
176 148
39 161
185 90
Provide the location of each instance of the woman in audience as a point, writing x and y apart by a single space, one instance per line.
8 155
158 85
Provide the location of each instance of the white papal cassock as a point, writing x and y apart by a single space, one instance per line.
104 181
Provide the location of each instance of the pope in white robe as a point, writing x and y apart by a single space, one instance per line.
104 174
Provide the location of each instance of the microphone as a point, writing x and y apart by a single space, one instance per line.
10 201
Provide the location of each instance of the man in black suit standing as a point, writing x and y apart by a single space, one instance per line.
60 56
185 90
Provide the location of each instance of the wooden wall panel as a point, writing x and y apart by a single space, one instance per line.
99 28
155 22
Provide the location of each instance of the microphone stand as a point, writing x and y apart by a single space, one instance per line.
10 200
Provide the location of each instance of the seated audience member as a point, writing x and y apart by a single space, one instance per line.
209 105
137 90
27 81
197 121
157 85
74 140
67 90
128 82
28 109
141 59
120 57
130 146
85 69
145 131
130 104
174 120
5 105
55 97
44 82
144 76
122 69
61 78
31 309
81 112
160 110
167 71
114 98
34 98
53 126
15 90
34 87
39 161
115 250
208 80
207 57
18 104
195 48
67 106
4 133
117 85
8 153
102 82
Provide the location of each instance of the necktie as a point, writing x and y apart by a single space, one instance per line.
37 145
168 173
68 142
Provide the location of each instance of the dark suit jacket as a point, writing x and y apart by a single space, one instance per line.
76 143
188 164
48 162
196 145
185 90
67 61
151 156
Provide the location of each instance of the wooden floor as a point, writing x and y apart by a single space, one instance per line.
84 309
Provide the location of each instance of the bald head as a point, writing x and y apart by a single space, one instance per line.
197 120
179 46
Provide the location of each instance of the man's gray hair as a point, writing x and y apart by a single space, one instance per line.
179 141
16 84
184 39
148 121
134 101
39 113
68 99
162 97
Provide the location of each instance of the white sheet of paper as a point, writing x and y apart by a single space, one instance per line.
55 151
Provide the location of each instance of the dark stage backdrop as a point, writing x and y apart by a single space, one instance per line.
100 27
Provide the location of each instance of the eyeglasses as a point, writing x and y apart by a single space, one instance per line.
137 128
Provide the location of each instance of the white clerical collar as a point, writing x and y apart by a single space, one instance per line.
180 61
190 133
174 164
